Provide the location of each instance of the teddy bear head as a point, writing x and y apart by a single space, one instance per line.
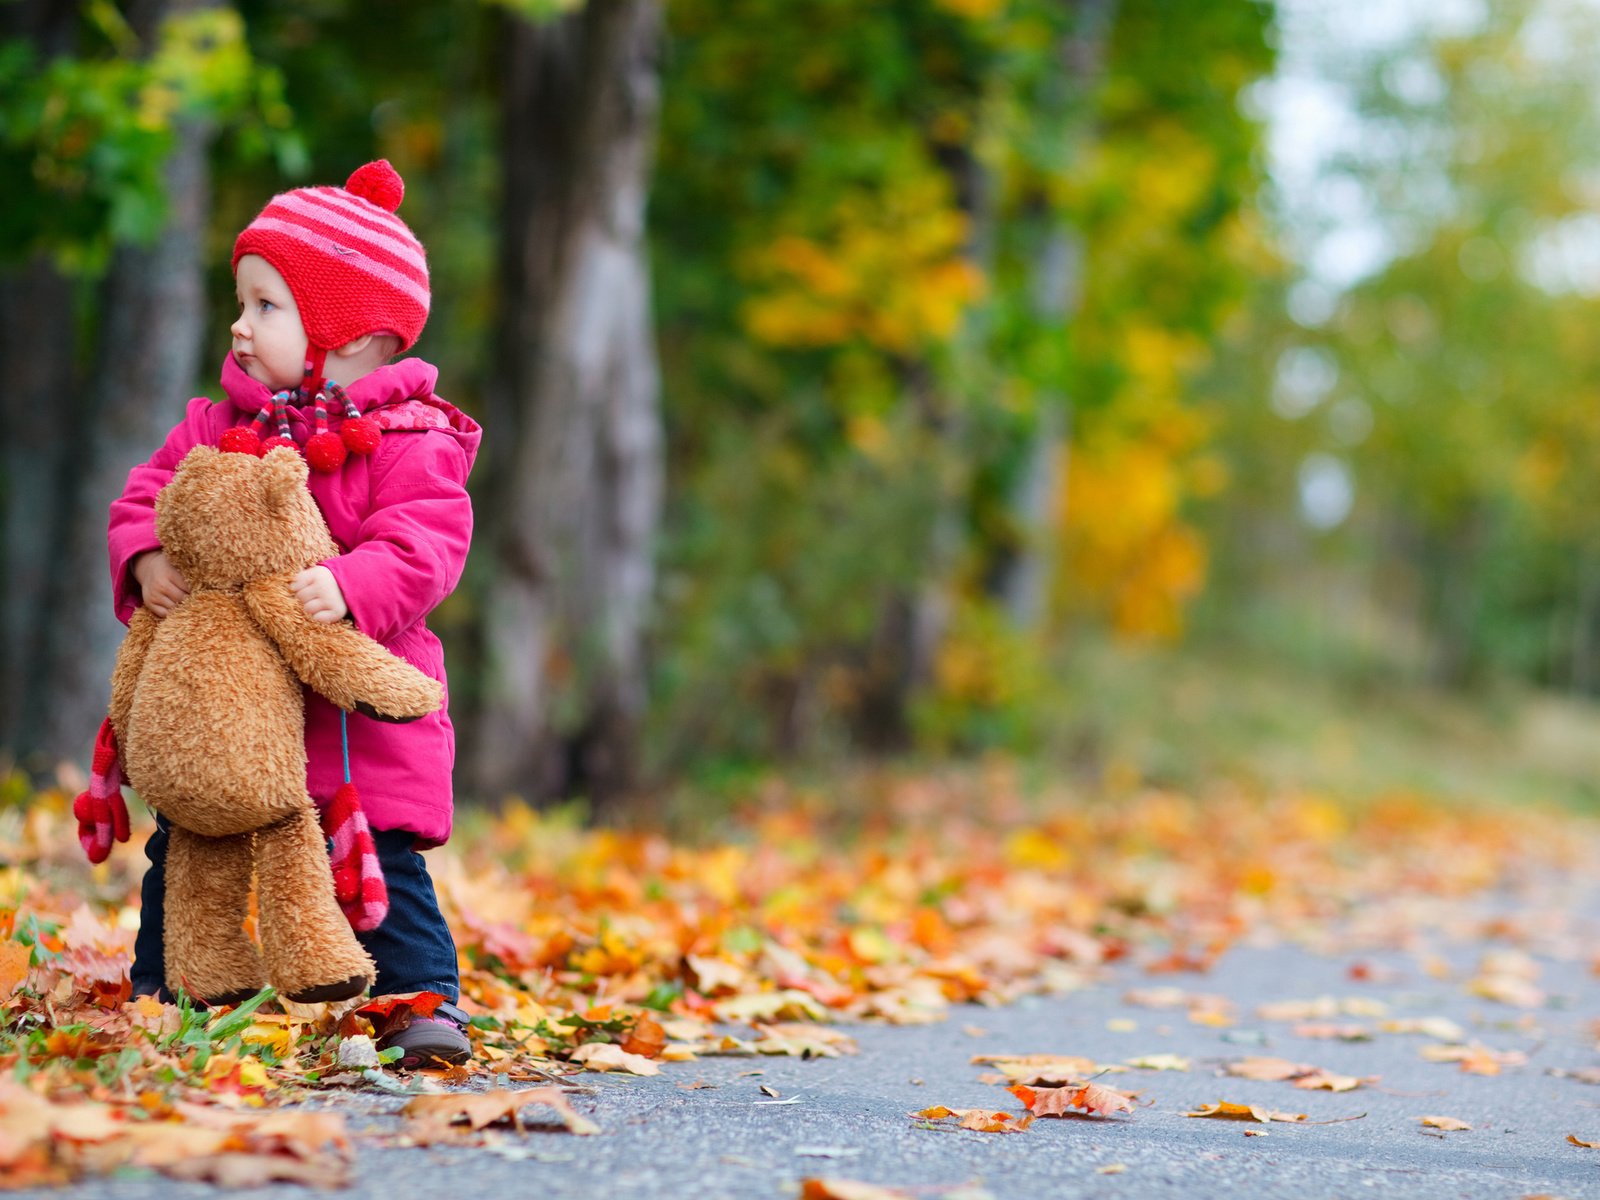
228 518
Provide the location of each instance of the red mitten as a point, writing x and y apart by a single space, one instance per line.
102 815
357 876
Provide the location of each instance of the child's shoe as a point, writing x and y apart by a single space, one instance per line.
439 1039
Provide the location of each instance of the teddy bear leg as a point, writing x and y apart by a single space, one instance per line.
208 894
312 955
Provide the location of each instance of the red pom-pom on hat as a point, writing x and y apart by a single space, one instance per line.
378 182
272 443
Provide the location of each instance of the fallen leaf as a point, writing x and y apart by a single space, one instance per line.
606 1056
1159 1062
848 1189
646 1039
1577 1141
1243 1112
1269 1070
982 1120
1111 1169
1332 1031
1328 1081
1441 1028
1447 1123
1091 1098
13 966
1039 1068
435 1115
1589 1075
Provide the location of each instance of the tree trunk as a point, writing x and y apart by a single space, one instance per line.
36 344
61 636
576 478
1055 284
152 307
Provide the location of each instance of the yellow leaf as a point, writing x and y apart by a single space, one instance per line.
604 1056
1243 1112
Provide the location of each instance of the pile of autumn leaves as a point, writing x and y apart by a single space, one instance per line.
596 950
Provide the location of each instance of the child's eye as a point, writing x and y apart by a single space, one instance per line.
264 305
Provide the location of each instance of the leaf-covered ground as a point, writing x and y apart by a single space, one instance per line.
888 900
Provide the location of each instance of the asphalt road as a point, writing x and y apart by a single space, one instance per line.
848 1118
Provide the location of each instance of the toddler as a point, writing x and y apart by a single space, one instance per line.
331 284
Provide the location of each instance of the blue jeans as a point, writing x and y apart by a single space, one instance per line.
413 949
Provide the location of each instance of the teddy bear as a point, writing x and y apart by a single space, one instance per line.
208 714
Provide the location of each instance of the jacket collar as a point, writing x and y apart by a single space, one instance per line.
403 380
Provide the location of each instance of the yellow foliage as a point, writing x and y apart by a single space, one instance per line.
1129 553
889 269
974 10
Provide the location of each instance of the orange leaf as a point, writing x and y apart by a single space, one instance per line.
13 966
1576 1141
1449 1123
1091 1098
982 1120
848 1189
646 1038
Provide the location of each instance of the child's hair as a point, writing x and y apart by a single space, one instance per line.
353 266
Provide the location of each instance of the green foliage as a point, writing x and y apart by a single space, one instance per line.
83 139
1462 378
848 220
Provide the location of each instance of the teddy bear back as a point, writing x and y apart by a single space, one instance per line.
228 518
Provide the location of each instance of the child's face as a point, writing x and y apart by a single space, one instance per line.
269 342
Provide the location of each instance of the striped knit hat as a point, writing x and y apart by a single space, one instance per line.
351 263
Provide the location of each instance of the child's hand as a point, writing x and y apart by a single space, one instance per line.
319 594
160 583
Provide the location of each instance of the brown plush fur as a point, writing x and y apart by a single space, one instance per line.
210 721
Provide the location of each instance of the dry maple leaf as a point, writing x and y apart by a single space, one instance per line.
13 966
1091 1098
1320 1080
1331 1031
981 1120
848 1189
1590 1075
434 1116
1577 1141
1268 1070
606 1056
1243 1112
1448 1123
646 1039
1040 1068
1157 1062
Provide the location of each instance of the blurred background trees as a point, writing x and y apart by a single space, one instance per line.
856 375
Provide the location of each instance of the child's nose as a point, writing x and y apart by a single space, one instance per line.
239 329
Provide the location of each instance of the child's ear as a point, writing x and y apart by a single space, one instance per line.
355 346
285 472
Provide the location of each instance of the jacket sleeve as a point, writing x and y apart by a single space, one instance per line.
133 514
410 550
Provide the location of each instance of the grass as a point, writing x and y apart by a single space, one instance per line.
1189 717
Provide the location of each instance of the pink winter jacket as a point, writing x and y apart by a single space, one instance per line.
403 521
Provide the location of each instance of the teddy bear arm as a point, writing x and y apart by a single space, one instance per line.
130 660
336 661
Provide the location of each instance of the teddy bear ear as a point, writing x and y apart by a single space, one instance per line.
286 471
198 455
